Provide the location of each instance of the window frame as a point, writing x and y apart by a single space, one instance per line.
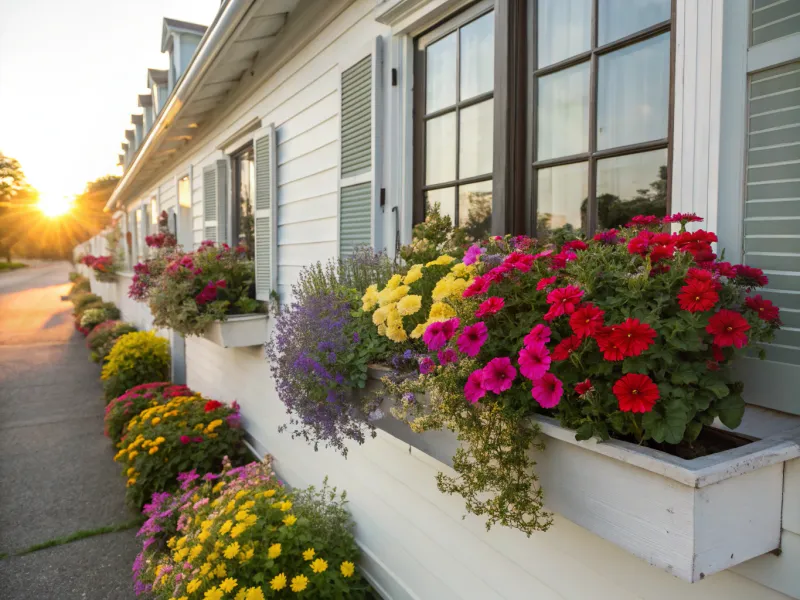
235 202
593 155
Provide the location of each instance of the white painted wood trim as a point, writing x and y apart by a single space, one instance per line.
238 331
773 53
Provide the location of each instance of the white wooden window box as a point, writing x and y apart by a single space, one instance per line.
691 518
237 331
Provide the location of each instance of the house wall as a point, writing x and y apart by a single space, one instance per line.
415 543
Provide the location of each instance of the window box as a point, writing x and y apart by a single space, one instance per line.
691 518
238 331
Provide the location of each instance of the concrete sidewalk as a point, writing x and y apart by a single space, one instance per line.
57 475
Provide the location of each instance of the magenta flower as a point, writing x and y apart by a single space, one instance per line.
545 282
426 365
534 362
547 391
538 336
447 356
490 306
473 389
438 333
498 375
472 254
472 338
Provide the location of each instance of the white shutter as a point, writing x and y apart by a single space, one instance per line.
210 203
266 213
359 188
222 201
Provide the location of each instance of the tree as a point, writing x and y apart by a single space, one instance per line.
16 202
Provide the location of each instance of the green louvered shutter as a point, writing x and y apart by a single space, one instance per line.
772 227
210 203
265 230
355 217
357 118
222 201
773 19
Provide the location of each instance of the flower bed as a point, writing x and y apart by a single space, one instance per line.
104 267
147 395
103 337
136 358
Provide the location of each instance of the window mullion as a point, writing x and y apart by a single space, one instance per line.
458 122
591 208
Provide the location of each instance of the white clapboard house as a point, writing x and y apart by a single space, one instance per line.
333 123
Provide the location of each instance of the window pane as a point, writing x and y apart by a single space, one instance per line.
245 186
475 208
184 193
635 184
633 94
445 198
618 18
440 149
477 57
561 195
476 139
564 29
440 74
563 113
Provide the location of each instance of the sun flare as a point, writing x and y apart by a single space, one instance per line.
54 207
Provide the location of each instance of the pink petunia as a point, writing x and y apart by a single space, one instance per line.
472 338
538 336
447 356
473 389
498 375
545 282
547 391
534 362
438 333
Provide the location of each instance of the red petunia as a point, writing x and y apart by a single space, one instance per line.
479 286
586 320
560 260
490 306
750 276
661 252
636 393
607 344
698 296
212 405
519 261
728 328
583 387
640 244
644 221
545 282
566 347
563 301
683 218
574 245
633 337
765 309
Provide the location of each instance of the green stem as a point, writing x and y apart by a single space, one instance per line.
636 429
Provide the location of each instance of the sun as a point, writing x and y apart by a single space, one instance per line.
54 207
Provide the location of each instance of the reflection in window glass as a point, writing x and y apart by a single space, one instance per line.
619 18
634 184
564 28
440 84
184 193
440 149
476 140
244 189
477 57
475 208
562 194
563 113
633 94
445 198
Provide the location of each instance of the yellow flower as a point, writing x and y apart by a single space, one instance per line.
171 542
397 334
347 568
278 582
254 593
198 427
120 454
250 520
248 505
238 530
232 550
230 506
181 542
444 259
409 305
370 298
319 566
418 331
213 425
299 583
269 494
414 274
130 471
227 585
286 506
184 598
193 585
213 594
218 487
459 269
132 455
179 555
155 420
379 316
274 551
226 527
399 293
441 312
195 552
393 319
245 556
153 450
131 481
289 520
241 515
159 440
394 281
443 288
205 569
221 571
381 329
309 554
240 494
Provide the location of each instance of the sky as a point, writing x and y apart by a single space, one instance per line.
70 72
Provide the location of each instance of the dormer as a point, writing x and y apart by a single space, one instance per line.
158 82
130 136
138 130
180 39
125 156
146 104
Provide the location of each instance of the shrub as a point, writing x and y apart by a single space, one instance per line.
102 338
105 267
136 358
85 300
92 317
435 236
73 276
122 409
188 432
241 534
11 266
80 285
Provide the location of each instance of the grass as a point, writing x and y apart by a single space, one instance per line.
78 535
11 266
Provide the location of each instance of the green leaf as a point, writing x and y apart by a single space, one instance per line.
718 388
684 374
693 430
731 410
584 432
618 422
667 428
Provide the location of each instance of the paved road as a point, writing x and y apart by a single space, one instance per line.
56 470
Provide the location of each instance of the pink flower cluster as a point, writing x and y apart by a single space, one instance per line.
209 293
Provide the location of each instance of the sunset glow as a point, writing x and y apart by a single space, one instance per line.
54 207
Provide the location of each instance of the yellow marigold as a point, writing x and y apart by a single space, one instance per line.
179 555
394 281
193 585
120 454
370 298
444 259
241 515
131 481
289 520
299 583
221 571
132 455
196 550
397 334
213 594
254 593
226 527
393 319
309 554
409 305
198 427
459 269
130 471
286 506
228 585
347 568
155 420
213 425
319 566
153 450
238 530
159 440
418 331
399 293
443 288
232 550
268 494
278 582
274 551
414 274
441 312
205 569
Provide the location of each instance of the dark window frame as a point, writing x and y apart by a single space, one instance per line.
592 56
236 202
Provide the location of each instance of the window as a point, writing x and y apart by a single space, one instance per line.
600 112
454 119
244 185
184 192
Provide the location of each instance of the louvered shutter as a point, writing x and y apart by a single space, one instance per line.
772 228
266 213
210 203
222 201
357 182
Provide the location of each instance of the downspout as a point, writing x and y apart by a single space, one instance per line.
213 41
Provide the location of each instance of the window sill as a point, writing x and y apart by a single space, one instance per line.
238 331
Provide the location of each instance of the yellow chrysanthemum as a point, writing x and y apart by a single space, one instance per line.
155 420
229 584
278 582
181 542
381 329
286 506
254 593
250 520
153 450
319 565
132 455
131 481
441 312
444 259
459 269
409 305
179 555
246 555
269 494
213 594
159 440
232 550
309 554
274 551
221 571
443 288
238 530
379 316
393 319
414 274
399 293
226 527
171 542
396 334
130 471
418 331
241 515
347 568
193 585
205 569
370 298
218 487
394 281
289 520
195 552
240 494
299 583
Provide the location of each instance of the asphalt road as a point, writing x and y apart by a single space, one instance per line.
57 475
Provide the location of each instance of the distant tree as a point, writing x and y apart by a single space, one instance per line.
16 201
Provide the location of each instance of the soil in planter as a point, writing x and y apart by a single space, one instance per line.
710 441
